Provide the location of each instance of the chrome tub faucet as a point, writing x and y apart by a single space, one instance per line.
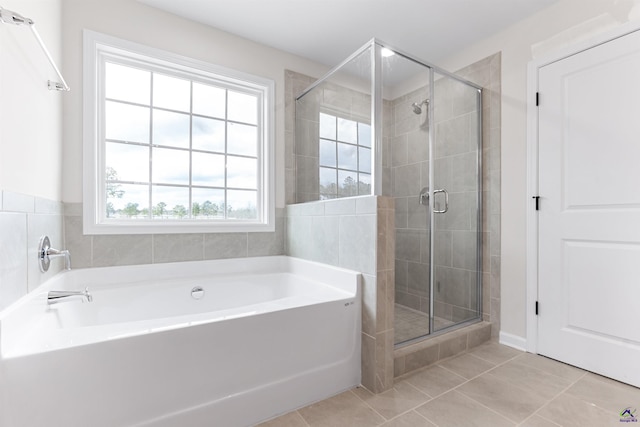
54 297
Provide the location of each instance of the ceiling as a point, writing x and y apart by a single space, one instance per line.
327 31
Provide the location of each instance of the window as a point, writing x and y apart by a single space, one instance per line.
345 157
173 144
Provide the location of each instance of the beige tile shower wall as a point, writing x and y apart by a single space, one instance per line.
131 249
355 233
487 73
23 220
408 159
294 84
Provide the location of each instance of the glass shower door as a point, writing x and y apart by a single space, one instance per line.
455 203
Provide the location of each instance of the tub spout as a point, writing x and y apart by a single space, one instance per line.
54 297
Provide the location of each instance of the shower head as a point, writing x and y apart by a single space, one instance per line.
417 107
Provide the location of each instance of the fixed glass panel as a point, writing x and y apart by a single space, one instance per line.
347 131
328 183
347 183
364 135
327 126
364 159
333 124
328 153
347 156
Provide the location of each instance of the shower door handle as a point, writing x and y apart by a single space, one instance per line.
446 201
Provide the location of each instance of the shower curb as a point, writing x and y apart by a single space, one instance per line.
427 352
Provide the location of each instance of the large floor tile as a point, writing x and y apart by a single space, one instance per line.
606 393
410 419
495 353
455 410
435 380
401 398
292 419
467 365
569 411
542 383
537 421
513 402
343 410
551 366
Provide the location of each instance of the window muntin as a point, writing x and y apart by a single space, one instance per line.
178 148
345 157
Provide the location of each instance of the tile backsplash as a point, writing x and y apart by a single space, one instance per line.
130 249
23 220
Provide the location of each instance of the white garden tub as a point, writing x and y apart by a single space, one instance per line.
268 335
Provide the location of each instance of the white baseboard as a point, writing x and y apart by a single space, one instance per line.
514 341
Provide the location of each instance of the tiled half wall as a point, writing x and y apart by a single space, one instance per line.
355 233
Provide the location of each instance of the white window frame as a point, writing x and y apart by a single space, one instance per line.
99 46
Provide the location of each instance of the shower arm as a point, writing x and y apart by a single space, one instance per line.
9 17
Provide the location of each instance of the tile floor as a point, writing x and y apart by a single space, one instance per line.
492 385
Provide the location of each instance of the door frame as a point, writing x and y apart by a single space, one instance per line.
532 235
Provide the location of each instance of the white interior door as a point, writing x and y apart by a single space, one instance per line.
589 218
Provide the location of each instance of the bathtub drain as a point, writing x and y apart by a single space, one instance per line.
197 292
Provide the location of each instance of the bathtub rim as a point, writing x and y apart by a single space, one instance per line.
15 317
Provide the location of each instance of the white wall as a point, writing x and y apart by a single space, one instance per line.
30 114
558 26
136 22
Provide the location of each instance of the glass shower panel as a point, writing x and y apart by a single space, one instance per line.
333 134
405 167
455 203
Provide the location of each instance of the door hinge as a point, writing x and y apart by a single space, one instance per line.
537 99
537 198
537 308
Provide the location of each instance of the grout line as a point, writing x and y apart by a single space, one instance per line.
369 406
558 394
303 418
535 414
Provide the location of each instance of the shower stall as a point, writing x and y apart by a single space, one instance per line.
389 124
